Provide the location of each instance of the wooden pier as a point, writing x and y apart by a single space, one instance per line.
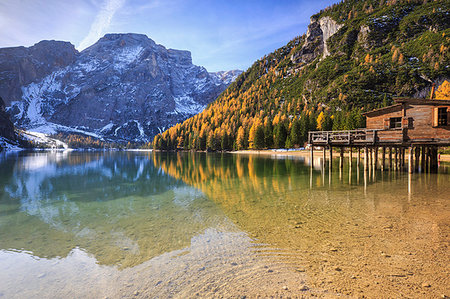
376 144
414 126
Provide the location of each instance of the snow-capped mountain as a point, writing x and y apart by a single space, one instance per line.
125 87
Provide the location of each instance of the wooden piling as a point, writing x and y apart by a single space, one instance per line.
433 159
350 157
324 152
375 160
358 160
311 157
403 157
366 158
417 162
330 165
341 158
410 160
396 159
422 161
383 158
390 158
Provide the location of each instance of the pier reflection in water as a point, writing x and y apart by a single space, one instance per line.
175 223
369 223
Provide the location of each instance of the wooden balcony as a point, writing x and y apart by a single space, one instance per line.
360 137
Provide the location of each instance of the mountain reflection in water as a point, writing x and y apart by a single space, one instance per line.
116 206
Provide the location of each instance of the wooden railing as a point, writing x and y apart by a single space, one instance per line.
355 137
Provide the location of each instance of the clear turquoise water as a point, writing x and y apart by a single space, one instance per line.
92 224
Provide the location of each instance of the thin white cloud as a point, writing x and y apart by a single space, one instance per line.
101 22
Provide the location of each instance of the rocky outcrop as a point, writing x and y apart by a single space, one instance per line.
363 35
6 126
125 87
329 27
319 31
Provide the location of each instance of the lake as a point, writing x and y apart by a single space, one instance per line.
177 225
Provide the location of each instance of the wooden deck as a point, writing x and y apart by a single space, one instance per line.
370 137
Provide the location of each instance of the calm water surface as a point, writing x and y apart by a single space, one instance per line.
121 224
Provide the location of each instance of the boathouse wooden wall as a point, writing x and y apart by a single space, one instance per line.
419 120
376 120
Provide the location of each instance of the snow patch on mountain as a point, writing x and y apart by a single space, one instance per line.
187 106
226 77
127 56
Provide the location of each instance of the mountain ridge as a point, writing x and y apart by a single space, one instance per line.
125 87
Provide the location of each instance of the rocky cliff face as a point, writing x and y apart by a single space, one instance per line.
6 126
319 31
123 88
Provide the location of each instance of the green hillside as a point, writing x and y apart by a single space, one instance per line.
377 50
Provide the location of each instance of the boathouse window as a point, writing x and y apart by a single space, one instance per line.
442 117
395 122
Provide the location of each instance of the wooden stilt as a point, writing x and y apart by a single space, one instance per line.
312 156
417 154
324 152
366 158
422 162
403 157
341 158
358 160
390 158
383 158
330 165
396 159
410 160
375 160
350 157
433 159
427 158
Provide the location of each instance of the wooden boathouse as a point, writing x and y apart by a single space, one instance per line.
420 125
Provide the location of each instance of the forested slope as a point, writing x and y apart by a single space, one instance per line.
356 56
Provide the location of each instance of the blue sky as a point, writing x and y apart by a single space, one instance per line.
222 35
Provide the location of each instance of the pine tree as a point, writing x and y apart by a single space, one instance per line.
280 135
295 132
259 138
288 143
268 134
304 128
